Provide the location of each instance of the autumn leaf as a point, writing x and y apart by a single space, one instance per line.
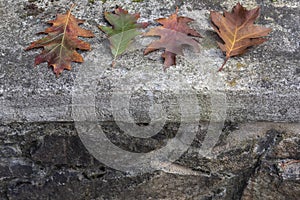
61 42
237 30
123 30
174 34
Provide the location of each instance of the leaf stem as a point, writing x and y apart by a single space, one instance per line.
113 63
72 6
226 59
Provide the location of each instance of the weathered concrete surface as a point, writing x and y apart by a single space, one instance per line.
42 157
261 85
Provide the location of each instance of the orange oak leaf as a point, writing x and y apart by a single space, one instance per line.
237 30
174 34
61 42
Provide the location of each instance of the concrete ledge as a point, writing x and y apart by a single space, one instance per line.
262 85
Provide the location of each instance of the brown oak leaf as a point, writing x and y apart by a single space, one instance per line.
174 34
61 42
237 30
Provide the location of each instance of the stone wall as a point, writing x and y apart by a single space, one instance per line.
42 154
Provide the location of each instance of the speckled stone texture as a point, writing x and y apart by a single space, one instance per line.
263 84
256 157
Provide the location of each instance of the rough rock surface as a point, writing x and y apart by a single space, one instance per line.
48 161
43 157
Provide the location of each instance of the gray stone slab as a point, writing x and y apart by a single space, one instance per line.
262 85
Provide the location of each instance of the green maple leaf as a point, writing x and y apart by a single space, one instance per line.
123 30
